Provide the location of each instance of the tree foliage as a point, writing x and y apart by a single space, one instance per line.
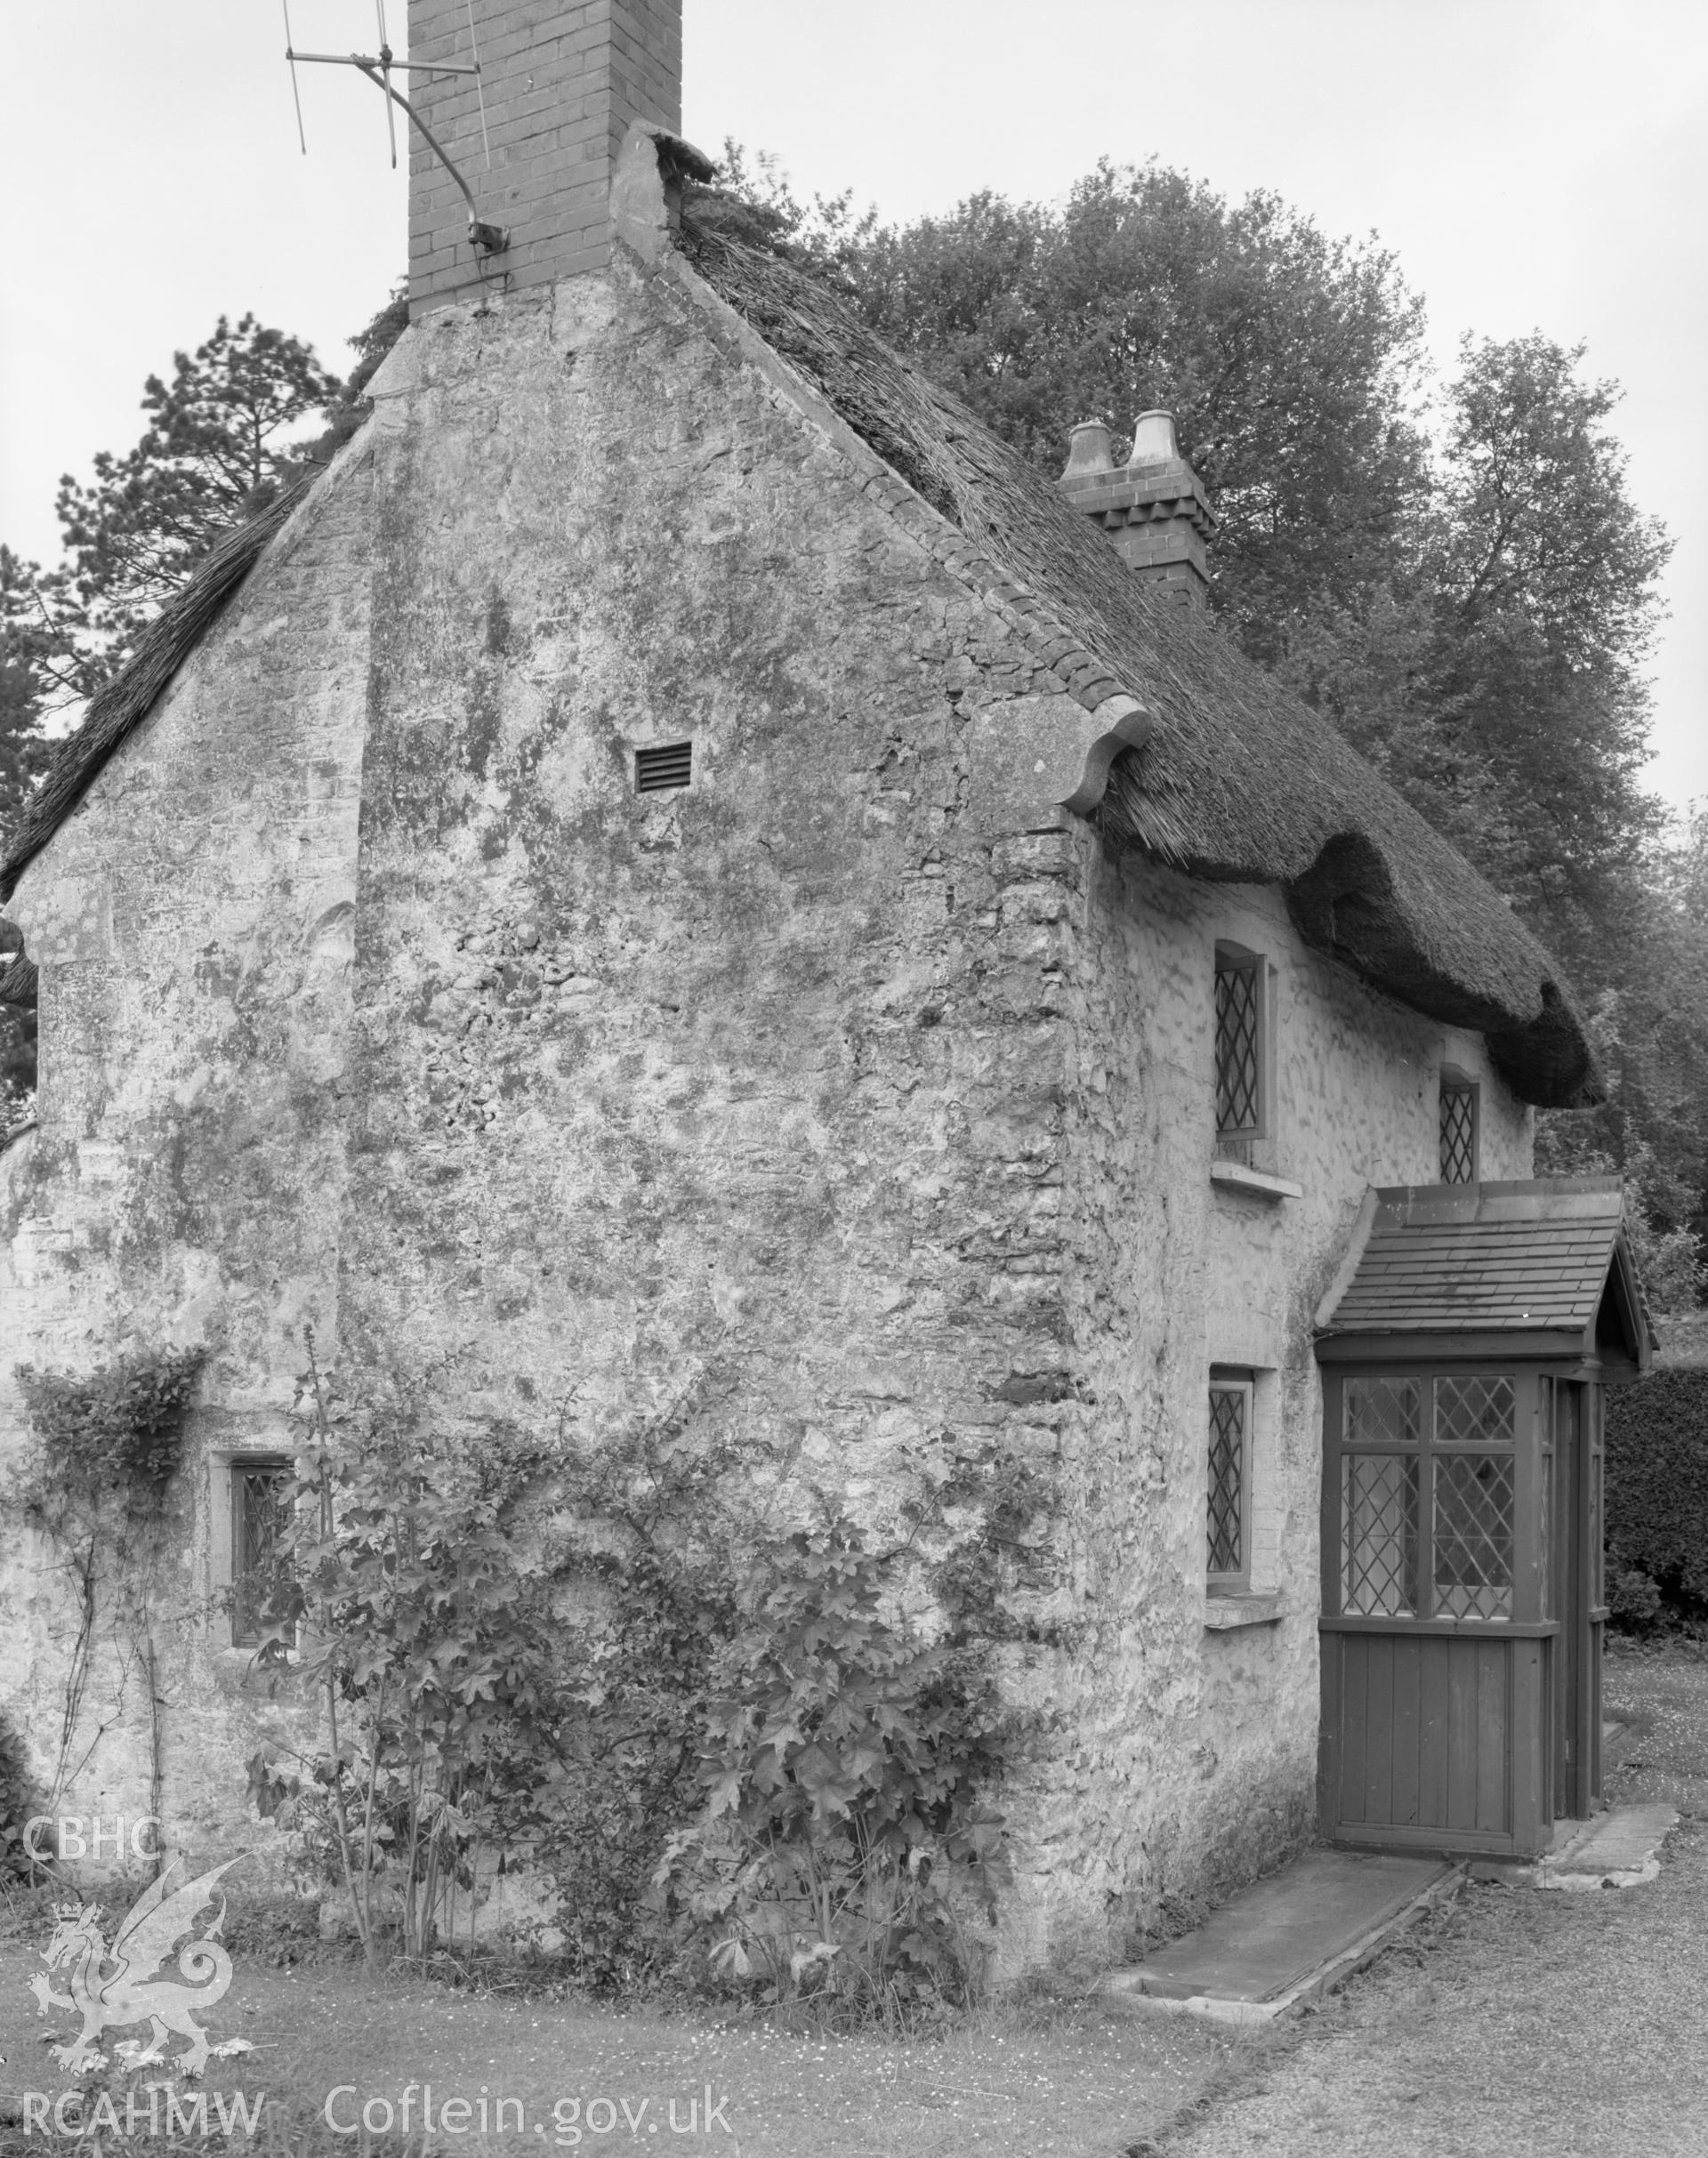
216 448
26 650
1657 1489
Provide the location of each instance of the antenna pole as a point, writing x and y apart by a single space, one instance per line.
297 94
486 237
385 66
474 54
492 240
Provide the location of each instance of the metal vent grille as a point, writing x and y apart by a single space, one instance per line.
1227 1478
669 764
1458 1135
1238 1051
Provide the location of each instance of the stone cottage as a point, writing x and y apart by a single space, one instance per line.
678 850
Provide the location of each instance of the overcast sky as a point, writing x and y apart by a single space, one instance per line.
1534 163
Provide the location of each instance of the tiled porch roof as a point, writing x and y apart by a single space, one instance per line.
1518 1258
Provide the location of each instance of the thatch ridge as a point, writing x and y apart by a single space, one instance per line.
1238 780
123 704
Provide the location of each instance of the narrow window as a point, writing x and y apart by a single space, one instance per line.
1229 1521
668 764
260 1505
1241 1052
1380 1463
1458 1129
1475 1486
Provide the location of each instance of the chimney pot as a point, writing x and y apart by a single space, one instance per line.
1089 450
1154 440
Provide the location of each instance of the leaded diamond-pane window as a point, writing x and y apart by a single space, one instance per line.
1474 1412
261 1512
1383 1411
1239 1046
1458 1132
1473 1536
1379 1535
1229 1416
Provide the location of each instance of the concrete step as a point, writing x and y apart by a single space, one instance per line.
1288 1939
1620 1849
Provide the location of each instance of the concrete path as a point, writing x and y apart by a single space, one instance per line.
1287 1938
1514 2025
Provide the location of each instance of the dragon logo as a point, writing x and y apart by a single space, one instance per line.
130 1993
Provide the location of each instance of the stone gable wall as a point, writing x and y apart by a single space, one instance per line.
837 1098
751 1092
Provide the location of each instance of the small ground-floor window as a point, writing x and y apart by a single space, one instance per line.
260 1513
1228 1520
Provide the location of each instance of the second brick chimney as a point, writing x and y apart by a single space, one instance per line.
1153 507
562 82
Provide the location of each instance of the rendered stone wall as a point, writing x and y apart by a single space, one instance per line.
192 923
829 1097
1194 1751
749 1093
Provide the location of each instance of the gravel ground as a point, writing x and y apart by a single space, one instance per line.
1520 2022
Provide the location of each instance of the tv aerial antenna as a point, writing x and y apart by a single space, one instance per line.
485 237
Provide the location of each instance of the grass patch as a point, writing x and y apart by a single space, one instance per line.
1056 2077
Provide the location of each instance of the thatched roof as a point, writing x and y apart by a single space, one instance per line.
126 701
1237 780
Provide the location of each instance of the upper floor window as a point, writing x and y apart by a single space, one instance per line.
1458 1126
1242 1050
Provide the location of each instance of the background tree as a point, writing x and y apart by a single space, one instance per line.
26 663
217 446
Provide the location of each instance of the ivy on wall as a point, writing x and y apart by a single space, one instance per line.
95 1483
748 1741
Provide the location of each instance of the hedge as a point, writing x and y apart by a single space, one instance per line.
1658 1480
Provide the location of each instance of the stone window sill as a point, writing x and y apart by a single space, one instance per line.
1258 1183
1226 1608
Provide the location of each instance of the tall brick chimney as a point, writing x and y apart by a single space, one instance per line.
562 80
1153 507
